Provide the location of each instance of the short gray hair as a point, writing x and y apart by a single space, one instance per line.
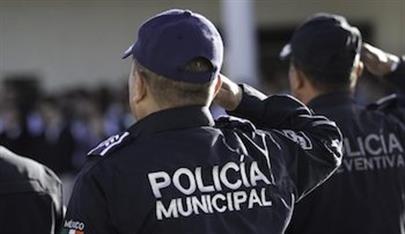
171 93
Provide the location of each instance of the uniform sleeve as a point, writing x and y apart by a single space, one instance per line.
88 211
394 105
55 192
311 144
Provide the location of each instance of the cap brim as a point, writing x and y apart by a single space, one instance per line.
286 52
128 52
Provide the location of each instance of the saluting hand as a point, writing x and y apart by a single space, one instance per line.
230 94
378 62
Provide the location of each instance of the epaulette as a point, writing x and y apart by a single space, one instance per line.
109 145
384 103
232 122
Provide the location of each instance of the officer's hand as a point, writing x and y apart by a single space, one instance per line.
378 62
230 94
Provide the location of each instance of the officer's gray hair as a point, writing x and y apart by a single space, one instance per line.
171 93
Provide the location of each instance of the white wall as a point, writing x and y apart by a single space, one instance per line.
76 42
79 42
387 16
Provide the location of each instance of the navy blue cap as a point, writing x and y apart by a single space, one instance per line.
325 45
167 41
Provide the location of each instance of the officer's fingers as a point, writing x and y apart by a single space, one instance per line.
225 80
223 77
369 54
225 91
228 84
230 94
365 54
372 59
376 53
367 48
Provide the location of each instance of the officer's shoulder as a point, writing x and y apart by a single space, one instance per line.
387 103
235 123
110 145
18 168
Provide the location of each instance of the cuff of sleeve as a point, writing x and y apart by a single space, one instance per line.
394 66
276 111
251 103
399 68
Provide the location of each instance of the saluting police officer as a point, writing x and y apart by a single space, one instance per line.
367 193
178 171
30 196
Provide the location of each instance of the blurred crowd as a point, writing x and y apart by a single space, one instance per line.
59 129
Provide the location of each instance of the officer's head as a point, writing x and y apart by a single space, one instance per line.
324 55
176 62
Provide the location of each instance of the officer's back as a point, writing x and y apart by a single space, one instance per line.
366 194
178 171
30 196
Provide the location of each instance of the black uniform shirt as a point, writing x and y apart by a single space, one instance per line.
176 171
367 194
30 196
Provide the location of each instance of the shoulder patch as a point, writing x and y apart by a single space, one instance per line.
235 122
107 145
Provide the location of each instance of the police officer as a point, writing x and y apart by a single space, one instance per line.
367 193
30 196
178 171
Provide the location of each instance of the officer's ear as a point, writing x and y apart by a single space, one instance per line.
357 71
296 78
217 84
140 91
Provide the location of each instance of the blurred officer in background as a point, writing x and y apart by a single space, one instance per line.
176 170
367 193
30 196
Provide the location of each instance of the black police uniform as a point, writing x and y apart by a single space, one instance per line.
367 194
30 196
176 172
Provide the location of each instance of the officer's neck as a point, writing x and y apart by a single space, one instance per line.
142 110
307 92
310 92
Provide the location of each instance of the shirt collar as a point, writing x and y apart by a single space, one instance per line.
173 118
332 99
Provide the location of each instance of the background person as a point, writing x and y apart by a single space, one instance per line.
30 196
367 193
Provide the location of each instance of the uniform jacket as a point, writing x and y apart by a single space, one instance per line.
30 196
367 194
178 171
